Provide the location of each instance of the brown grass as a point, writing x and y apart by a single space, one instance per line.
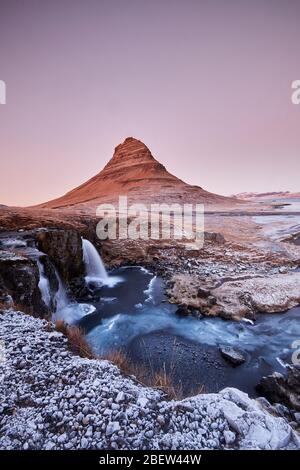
160 380
76 340
121 360
61 326
163 381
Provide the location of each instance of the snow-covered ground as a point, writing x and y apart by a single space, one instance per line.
51 399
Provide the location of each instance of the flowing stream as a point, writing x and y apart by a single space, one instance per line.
135 316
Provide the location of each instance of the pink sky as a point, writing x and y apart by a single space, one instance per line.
205 84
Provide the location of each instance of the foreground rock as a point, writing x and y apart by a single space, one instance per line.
50 399
280 389
19 279
237 299
28 256
232 355
272 294
64 248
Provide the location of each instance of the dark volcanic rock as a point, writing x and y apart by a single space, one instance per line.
280 389
64 248
19 278
203 293
185 310
232 355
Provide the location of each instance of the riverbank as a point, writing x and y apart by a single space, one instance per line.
51 399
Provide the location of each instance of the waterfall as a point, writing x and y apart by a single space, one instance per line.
95 269
65 309
70 311
44 285
61 298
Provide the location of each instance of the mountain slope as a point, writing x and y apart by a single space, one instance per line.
134 172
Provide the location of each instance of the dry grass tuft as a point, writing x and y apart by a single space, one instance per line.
76 340
163 381
121 360
160 380
61 326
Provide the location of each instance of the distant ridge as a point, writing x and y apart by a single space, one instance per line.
268 195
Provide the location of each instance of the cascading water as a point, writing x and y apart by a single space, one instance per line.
69 310
44 285
66 309
61 298
95 269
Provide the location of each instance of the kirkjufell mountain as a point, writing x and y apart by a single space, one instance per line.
133 171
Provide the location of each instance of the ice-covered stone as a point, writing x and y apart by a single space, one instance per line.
78 404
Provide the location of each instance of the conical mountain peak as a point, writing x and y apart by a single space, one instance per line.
133 171
131 151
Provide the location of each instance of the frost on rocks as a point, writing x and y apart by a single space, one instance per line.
50 399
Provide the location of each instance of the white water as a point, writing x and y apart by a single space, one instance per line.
94 266
61 298
13 243
95 269
150 291
69 311
73 311
44 285
66 309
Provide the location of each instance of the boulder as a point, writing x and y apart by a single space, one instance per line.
232 355
282 389
193 293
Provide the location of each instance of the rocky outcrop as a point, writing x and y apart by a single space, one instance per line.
236 299
106 410
244 298
19 278
64 249
193 294
32 262
282 389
